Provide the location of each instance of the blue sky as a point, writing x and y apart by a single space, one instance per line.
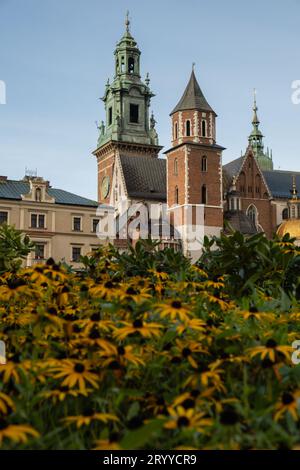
56 55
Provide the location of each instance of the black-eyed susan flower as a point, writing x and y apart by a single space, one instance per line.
272 350
17 433
89 415
174 309
288 403
145 329
122 354
76 373
181 418
6 404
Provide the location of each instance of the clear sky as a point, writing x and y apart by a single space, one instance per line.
56 55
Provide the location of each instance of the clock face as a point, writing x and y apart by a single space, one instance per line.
105 185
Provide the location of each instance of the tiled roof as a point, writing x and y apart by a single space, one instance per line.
192 98
233 167
280 182
10 189
145 177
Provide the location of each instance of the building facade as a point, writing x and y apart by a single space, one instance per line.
61 224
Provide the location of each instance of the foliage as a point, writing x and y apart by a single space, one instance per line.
143 350
14 247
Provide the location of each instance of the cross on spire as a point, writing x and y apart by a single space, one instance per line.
127 21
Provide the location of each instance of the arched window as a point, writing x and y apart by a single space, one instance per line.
176 195
203 128
242 179
176 130
204 164
285 214
131 65
38 194
257 184
252 214
122 64
203 194
175 166
188 128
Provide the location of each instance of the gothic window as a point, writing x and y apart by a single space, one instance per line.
134 113
175 166
252 214
175 131
188 128
176 195
203 194
204 164
285 214
257 184
242 182
110 116
203 128
131 65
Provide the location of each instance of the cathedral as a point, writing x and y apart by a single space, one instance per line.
184 193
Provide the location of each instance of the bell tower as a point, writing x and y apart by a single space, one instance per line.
256 137
128 127
194 169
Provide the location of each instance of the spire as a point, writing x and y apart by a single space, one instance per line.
294 191
256 140
192 97
127 22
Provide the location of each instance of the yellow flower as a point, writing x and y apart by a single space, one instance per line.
147 330
174 309
271 350
89 416
6 404
76 373
120 354
159 273
187 419
287 404
17 433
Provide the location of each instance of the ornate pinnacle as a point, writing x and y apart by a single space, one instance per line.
127 21
147 79
294 188
255 109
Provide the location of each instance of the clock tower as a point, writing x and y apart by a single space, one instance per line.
128 128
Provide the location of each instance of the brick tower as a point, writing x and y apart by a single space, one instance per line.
194 170
128 128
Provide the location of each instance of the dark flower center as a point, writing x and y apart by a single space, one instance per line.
94 334
176 360
195 393
186 352
109 285
188 403
183 421
50 262
176 304
137 324
65 289
121 350
79 368
131 291
287 398
114 365
271 343
3 424
96 317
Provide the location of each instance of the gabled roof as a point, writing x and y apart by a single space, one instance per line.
232 168
10 189
192 97
145 177
280 182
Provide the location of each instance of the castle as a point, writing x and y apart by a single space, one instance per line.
190 179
